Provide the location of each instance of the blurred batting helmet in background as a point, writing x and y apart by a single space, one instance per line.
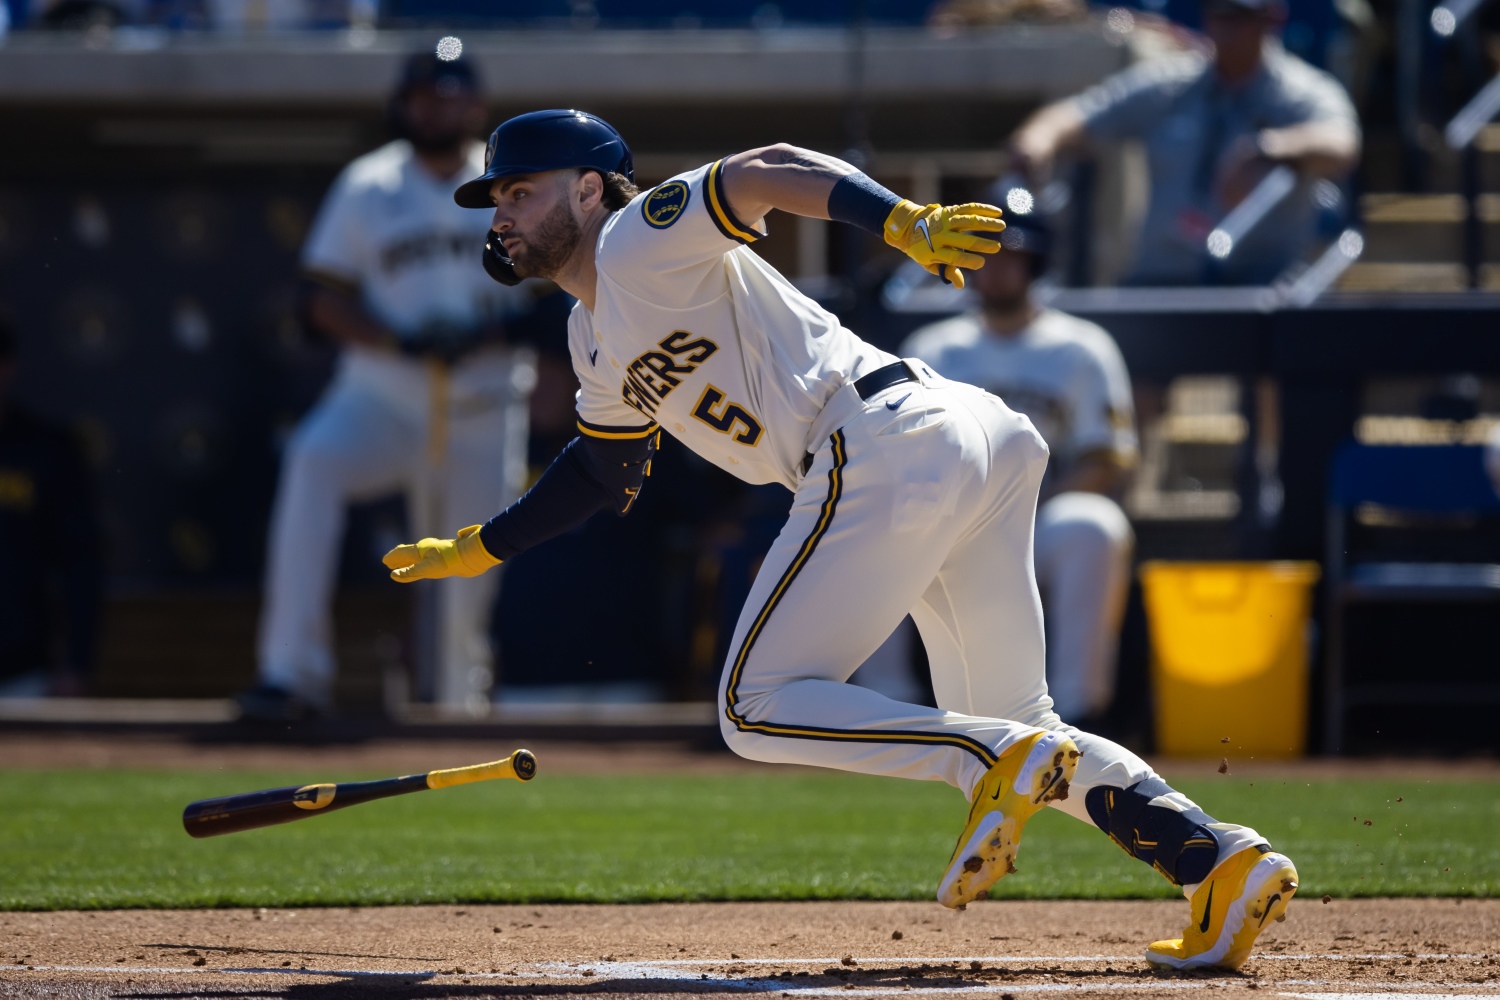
1027 229
444 69
534 143
445 72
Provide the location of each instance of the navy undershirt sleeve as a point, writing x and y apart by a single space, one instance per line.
858 200
589 475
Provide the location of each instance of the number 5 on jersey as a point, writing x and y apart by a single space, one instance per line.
728 415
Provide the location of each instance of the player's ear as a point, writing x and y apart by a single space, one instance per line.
589 189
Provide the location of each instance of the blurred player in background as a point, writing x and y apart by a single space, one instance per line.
429 398
49 533
1212 128
1067 375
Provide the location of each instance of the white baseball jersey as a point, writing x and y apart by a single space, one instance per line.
390 227
694 332
919 500
1063 372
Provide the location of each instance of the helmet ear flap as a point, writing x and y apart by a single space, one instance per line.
496 264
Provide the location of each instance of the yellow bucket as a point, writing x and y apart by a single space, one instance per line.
1229 656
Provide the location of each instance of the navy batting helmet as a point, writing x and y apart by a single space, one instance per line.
547 140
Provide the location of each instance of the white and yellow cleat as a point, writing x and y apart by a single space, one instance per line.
1031 773
1231 907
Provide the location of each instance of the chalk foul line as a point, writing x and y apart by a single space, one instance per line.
679 970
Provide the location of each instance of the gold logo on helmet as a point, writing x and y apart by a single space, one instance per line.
663 205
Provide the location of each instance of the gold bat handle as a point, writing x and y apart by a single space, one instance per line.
520 765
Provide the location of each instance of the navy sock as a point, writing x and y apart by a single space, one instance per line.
1176 842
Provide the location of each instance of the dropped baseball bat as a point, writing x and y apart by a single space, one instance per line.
212 817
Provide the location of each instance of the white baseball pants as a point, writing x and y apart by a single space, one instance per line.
454 443
926 509
1083 549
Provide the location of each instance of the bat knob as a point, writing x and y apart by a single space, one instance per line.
524 761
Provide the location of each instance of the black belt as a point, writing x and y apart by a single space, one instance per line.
877 381
883 378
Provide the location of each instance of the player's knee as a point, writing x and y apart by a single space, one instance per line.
1027 445
1087 521
741 742
733 738
736 729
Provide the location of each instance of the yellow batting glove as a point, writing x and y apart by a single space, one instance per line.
435 558
944 238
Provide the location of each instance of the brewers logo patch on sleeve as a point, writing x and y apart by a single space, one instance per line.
662 206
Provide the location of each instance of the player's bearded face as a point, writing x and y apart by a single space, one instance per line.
435 121
1004 283
546 246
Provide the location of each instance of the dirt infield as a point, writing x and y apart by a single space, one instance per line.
1346 949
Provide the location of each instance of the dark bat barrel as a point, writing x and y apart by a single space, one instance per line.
213 817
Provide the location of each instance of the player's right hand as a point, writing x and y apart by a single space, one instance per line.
944 238
435 558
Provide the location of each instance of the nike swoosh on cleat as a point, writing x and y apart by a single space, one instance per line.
1053 779
593 356
1269 903
1208 908
896 404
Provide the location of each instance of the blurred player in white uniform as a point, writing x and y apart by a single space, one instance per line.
427 400
913 494
1067 375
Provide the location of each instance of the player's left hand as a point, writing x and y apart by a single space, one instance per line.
944 238
435 558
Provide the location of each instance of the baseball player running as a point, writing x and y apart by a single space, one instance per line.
913 494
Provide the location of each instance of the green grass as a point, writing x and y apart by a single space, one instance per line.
96 839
